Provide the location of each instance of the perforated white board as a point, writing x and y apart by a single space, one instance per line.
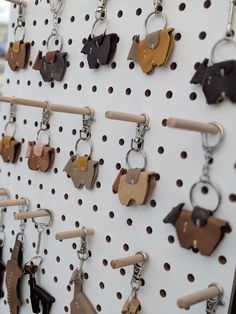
107 288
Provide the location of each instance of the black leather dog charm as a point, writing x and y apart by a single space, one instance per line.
217 80
52 66
100 49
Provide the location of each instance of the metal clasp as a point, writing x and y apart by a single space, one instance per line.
85 132
158 5
229 31
100 11
20 14
137 143
213 304
83 253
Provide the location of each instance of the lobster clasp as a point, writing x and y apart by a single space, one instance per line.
213 304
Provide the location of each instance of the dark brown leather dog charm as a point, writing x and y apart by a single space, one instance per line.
100 49
153 51
40 156
9 149
218 80
82 170
197 229
134 185
52 66
13 276
18 55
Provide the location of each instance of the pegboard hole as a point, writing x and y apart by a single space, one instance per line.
119 295
122 272
191 278
126 247
222 260
171 239
167 267
162 293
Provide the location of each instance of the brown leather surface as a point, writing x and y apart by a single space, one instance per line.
116 183
9 149
154 50
18 55
205 238
13 276
134 309
82 170
40 157
138 191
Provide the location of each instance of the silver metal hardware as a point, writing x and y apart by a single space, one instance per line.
229 30
214 304
11 122
100 11
20 20
83 253
2 233
23 208
44 126
54 33
157 5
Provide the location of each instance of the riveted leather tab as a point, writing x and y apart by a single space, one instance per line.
16 46
18 55
152 40
134 307
38 149
132 176
82 163
51 56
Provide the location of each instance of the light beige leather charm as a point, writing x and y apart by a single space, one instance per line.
134 307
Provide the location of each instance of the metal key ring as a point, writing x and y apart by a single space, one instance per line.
29 262
225 39
13 131
150 15
57 36
47 132
205 138
17 28
206 183
43 224
85 140
128 165
104 20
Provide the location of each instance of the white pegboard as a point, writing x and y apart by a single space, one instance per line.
120 231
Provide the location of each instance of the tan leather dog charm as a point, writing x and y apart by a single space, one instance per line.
40 156
18 55
82 170
134 185
13 276
153 51
197 229
134 307
9 149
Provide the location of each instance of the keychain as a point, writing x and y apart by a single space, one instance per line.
14 270
19 51
101 49
80 302
40 155
9 147
82 170
155 49
199 229
52 66
218 79
135 184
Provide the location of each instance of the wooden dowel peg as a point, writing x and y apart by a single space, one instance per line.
18 202
122 116
211 292
17 2
3 192
130 260
46 105
29 214
74 234
192 126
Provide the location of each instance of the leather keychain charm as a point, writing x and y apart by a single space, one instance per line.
13 277
19 51
52 66
155 49
41 155
134 308
2 270
100 49
9 147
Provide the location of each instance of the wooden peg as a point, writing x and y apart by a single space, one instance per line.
3 192
192 126
130 260
195 298
31 214
74 234
115 115
17 202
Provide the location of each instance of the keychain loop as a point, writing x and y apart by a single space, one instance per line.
43 224
20 21
30 262
205 139
44 126
157 13
140 151
18 27
101 20
85 140
219 42
11 121
57 36
23 208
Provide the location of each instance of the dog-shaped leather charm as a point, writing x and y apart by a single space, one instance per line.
52 66
40 156
9 149
217 80
82 170
135 306
100 49
197 229
153 51
134 185
18 55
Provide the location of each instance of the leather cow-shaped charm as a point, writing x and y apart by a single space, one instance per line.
197 229
153 51
40 156
9 149
217 80
134 185
52 66
100 49
18 55
82 170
